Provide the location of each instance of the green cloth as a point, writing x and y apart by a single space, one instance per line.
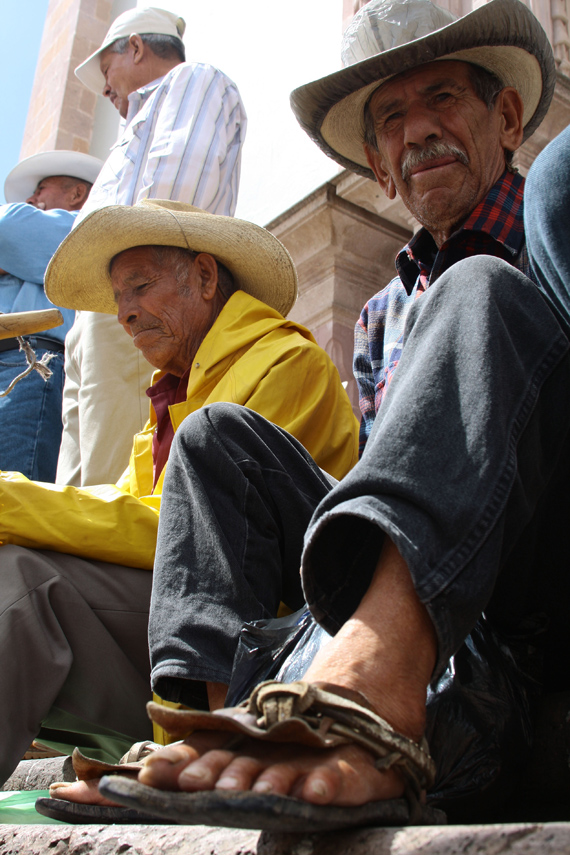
18 808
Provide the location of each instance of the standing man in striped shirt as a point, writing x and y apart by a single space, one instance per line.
184 126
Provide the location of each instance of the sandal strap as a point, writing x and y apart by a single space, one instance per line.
327 712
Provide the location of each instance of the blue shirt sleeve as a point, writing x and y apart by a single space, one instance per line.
29 237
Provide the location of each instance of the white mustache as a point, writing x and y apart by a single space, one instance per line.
433 151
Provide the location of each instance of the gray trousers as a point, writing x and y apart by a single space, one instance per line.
73 636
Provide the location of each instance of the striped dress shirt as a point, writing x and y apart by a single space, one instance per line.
182 140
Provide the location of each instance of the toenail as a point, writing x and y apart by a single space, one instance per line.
60 785
318 787
227 783
198 773
263 787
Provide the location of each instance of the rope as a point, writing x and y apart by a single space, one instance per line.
41 366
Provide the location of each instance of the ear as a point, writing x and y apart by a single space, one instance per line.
383 177
510 108
207 269
137 47
79 195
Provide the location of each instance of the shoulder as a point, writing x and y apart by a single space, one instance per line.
392 294
200 74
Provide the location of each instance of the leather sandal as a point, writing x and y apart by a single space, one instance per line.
317 715
87 769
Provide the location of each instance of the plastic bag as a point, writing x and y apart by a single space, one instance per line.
274 649
19 808
480 717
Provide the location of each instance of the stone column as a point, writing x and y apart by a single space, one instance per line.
344 253
61 108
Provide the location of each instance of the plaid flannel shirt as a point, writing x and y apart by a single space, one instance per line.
495 228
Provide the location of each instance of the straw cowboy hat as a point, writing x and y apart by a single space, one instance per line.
388 37
24 178
78 275
148 20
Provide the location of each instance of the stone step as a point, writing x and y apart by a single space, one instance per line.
515 839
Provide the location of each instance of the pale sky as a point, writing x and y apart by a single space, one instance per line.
22 26
266 47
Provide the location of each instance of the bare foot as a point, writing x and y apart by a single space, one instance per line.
386 651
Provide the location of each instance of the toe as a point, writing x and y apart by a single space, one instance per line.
81 792
203 773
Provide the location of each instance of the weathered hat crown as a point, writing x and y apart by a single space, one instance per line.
385 24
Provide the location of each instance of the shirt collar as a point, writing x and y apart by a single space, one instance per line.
137 98
499 215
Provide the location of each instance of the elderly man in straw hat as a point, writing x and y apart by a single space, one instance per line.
460 500
45 192
203 297
184 129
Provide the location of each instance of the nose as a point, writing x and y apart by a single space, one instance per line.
127 311
106 90
33 200
421 125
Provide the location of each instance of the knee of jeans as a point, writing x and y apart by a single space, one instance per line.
219 417
482 275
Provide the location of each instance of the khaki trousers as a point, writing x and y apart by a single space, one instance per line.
104 401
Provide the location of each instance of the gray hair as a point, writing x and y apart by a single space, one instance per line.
487 87
165 47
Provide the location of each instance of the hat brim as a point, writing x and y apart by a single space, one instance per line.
89 72
78 275
502 36
22 181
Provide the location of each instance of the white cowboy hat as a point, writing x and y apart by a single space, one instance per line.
24 178
133 21
78 275
388 37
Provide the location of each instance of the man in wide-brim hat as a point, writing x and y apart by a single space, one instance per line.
45 193
458 502
203 297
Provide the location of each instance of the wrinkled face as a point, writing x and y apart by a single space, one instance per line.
166 316
121 77
51 193
439 146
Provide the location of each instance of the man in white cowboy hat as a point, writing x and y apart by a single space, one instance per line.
45 192
459 504
203 297
184 129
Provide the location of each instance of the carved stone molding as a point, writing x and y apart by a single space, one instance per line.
560 34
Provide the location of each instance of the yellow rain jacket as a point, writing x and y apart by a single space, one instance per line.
250 356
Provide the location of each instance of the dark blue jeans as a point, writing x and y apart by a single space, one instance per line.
30 416
466 470
547 220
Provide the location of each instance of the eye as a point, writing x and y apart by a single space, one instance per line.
391 120
443 98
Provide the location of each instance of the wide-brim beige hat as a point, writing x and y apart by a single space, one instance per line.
134 21
388 37
78 275
24 178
